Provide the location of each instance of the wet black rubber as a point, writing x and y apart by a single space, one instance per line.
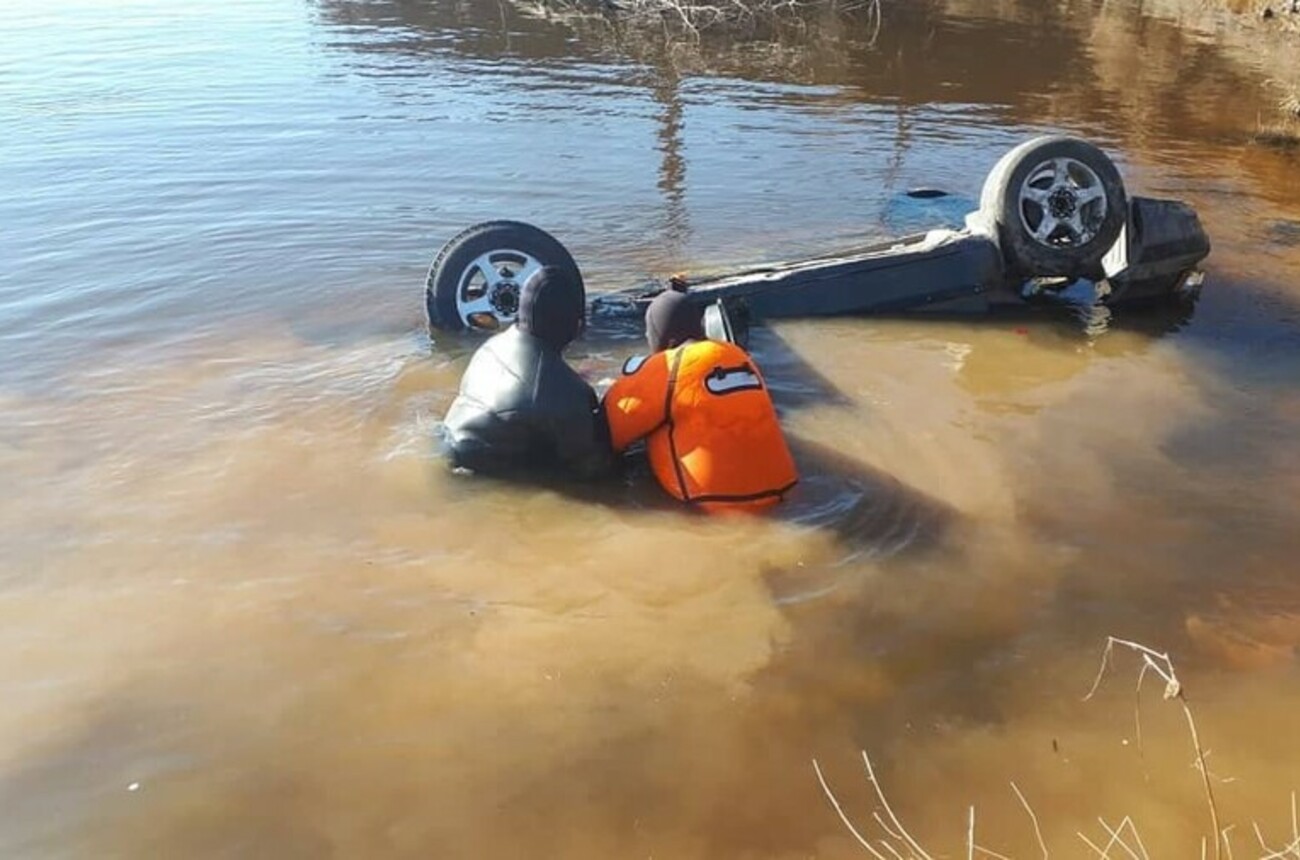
449 265
1000 203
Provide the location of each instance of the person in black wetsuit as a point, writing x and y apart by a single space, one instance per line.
521 410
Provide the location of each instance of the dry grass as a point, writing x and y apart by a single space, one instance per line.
1289 102
1283 132
888 839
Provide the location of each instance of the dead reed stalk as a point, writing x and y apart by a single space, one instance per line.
895 842
1161 664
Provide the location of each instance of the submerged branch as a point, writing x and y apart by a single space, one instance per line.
693 17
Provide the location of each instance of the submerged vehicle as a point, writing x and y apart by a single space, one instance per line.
1053 214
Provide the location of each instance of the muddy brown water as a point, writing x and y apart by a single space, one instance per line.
245 613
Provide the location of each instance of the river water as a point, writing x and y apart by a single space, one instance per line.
245 612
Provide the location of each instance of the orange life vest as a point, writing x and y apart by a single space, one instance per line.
711 431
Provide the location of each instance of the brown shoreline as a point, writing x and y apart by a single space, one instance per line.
1264 34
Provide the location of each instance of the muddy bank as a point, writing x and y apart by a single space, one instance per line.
1265 34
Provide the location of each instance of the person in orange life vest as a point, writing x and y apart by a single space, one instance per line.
711 432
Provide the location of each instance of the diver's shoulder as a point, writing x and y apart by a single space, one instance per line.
634 363
714 350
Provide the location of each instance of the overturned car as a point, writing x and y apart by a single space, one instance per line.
1053 214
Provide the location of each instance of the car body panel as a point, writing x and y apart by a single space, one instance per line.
946 271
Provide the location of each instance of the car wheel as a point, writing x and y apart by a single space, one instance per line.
1058 204
475 281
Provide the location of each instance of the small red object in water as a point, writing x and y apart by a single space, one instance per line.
1024 331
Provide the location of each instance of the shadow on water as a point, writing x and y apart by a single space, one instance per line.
872 514
793 379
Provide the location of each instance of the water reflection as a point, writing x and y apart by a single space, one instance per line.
672 171
931 53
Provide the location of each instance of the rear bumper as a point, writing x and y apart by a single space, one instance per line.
1158 253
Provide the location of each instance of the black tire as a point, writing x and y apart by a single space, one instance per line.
1065 251
451 266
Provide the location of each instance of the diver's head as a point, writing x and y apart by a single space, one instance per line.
671 320
552 306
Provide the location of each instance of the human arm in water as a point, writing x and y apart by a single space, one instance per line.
570 421
582 445
636 404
